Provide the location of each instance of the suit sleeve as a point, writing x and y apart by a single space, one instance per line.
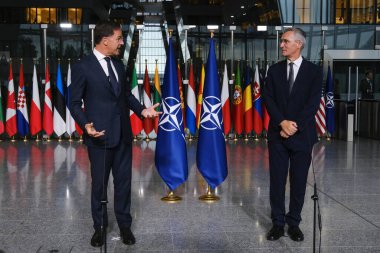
77 89
311 107
270 101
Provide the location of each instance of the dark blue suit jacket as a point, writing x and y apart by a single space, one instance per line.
300 105
102 107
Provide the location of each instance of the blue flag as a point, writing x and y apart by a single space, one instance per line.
330 121
171 158
211 151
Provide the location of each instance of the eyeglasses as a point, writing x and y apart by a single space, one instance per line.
285 41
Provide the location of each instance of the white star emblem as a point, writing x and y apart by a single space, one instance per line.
211 117
330 100
171 118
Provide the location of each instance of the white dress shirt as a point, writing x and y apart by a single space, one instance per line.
103 63
296 67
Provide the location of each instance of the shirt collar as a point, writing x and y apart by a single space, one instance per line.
297 62
99 55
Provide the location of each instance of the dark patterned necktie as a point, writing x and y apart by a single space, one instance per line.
291 77
111 77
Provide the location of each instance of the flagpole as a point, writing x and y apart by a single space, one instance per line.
209 196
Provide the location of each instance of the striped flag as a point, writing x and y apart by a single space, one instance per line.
22 109
191 103
35 107
70 122
156 96
148 123
265 112
238 115
225 96
47 118
59 115
181 94
2 128
211 149
200 96
136 122
247 100
257 110
320 117
10 123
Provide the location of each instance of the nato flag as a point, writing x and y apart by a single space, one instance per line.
211 151
171 159
330 121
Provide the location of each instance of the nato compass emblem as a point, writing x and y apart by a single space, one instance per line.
330 100
171 119
211 118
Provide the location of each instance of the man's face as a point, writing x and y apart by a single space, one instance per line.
114 42
290 46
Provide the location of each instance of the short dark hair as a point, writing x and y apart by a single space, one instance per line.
104 28
368 71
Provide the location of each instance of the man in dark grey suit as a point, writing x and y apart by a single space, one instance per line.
366 85
100 81
292 96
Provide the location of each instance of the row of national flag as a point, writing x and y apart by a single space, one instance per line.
248 112
53 117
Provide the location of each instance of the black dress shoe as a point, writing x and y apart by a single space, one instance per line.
97 240
295 233
127 236
275 233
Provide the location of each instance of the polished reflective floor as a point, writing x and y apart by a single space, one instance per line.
45 201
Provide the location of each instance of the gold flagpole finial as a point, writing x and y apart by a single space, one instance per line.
212 34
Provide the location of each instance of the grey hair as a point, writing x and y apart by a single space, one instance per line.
299 34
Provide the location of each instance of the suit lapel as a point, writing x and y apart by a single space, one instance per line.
99 69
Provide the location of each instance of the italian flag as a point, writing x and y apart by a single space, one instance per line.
136 122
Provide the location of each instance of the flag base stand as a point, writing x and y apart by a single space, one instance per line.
235 137
256 137
25 139
37 139
246 137
59 139
171 198
80 139
135 138
13 139
48 139
209 196
147 139
191 138
70 139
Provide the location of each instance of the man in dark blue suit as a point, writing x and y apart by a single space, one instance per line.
100 81
292 94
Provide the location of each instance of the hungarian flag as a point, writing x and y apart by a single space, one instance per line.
59 115
1 115
191 103
247 99
148 123
265 112
156 96
211 149
70 122
35 107
22 109
47 118
200 96
330 120
136 122
170 157
181 94
320 117
225 96
10 123
257 111
238 103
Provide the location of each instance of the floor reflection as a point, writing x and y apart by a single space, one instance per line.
45 200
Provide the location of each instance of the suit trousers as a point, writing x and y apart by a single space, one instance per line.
119 160
296 162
